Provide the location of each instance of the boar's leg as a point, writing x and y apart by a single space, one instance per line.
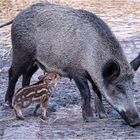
14 74
28 74
83 87
99 108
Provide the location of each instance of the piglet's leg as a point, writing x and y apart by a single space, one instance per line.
44 109
18 112
36 109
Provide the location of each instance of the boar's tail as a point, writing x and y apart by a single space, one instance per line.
8 23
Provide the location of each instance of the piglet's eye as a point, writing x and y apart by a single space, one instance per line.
49 79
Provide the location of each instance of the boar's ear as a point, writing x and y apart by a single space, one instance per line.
135 63
111 71
41 77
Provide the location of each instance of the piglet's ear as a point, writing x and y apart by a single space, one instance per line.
41 77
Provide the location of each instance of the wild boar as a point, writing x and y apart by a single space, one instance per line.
79 45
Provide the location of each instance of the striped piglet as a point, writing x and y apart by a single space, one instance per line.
38 92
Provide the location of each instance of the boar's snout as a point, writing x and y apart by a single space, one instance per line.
131 117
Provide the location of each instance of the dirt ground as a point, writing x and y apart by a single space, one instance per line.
64 114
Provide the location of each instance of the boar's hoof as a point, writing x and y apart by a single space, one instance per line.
88 117
20 117
101 115
43 117
35 113
10 105
9 101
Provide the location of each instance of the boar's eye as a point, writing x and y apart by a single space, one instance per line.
111 70
121 88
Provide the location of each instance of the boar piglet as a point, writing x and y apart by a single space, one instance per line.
39 93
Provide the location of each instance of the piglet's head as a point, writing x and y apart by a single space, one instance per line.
50 78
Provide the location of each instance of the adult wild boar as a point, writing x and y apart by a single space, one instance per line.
79 45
